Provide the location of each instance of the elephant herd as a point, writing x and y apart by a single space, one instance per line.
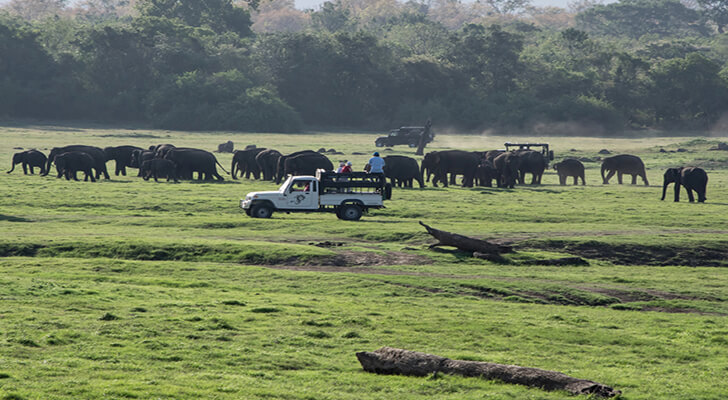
479 168
160 161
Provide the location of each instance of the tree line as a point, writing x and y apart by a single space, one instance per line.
265 66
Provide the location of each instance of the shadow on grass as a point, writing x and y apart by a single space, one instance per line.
11 218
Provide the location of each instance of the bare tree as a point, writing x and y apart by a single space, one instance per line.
36 9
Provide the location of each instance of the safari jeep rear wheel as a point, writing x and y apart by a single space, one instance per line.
349 212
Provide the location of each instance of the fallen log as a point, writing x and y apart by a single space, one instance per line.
388 360
466 243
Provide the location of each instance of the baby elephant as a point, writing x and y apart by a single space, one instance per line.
570 167
29 158
693 178
159 168
68 164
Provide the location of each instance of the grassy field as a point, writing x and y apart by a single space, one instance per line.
132 289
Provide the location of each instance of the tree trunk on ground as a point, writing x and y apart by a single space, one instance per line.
389 360
484 248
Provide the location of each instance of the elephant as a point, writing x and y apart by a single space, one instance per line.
226 147
692 178
570 167
531 162
30 158
306 164
507 166
280 164
402 170
122 156
267 161
427 166
69 163
454 162
485 173
159 168
138 157
96 154
244 162
190 160
161 150
624 164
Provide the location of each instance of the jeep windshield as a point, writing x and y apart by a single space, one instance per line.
285 184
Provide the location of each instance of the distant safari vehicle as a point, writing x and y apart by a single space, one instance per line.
544 149
409 135
347 195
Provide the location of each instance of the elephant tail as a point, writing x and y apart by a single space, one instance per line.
221 167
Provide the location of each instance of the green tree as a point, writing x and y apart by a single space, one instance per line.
218 15
636 18
489 57
688 91
716 11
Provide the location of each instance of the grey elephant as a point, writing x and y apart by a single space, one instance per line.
485 173
570 167
692 178
122 156
531 162
161 150
96 154
507 166
244 162
280 163
69 163
189 161
159 168
138 157
402 171
624 164
29 158
453 162
306 164
267 161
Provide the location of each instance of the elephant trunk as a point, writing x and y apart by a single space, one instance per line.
13 167
604 168
51 158
232 168
664 188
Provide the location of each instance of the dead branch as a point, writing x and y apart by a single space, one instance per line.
388 360
466 243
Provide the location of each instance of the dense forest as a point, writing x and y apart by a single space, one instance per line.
501 65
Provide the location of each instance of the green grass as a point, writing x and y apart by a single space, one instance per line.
131 289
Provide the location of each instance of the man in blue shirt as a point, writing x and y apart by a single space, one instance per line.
376 164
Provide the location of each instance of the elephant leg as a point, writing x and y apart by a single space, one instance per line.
619 177
691 198
677 192
123 170
75 175
609 176
31 169
25 169
634 179
644 178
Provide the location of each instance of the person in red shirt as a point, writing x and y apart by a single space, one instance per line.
347 168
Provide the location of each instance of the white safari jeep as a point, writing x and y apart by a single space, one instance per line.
348 195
